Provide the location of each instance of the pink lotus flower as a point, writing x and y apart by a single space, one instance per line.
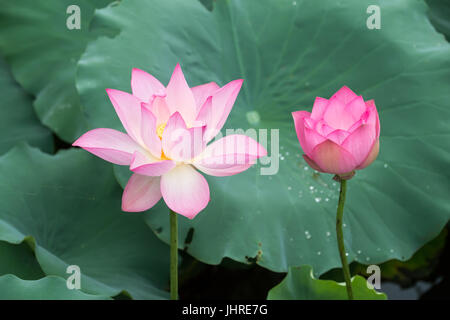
340 135
167 132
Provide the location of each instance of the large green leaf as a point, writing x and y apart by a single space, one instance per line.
288 52
300 284
43 53
19 259
17 119
440 16
48 288
420 266
68 207
21 277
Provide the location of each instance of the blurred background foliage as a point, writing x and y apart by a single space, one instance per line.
61 207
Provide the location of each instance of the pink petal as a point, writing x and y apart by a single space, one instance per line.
360 142
356 108
336 116
128 108
202 92
222 103
299 117
141 193
373 117
312 139
150 167
370 116
345 95
338 136
180 143
309 123
230 155
145 86
180 97
185 190
332 158
323 128
311 163
160 109
373 154
319 107
109 144
357 124
148 132
205 114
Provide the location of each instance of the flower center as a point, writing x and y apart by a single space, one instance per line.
163 156
160 130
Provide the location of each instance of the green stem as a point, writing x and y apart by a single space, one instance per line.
173 256
340 238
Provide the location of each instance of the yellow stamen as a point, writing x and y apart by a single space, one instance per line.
160 130
163 156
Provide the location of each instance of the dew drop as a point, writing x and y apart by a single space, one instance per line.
385 165
306 168
307 235
344 225
289 188
317 199
328 233
367 259
253 117
359 251
346 254
319 253
311 188
391 251
327 199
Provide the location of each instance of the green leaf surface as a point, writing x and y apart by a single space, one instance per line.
67 206
19 259
43 54
18 121
289 52
420 266
300 284
440 16
48 288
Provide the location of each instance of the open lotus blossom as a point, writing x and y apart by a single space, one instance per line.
340 135
168 129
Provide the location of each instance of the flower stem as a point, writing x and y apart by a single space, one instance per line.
340 238
173 256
